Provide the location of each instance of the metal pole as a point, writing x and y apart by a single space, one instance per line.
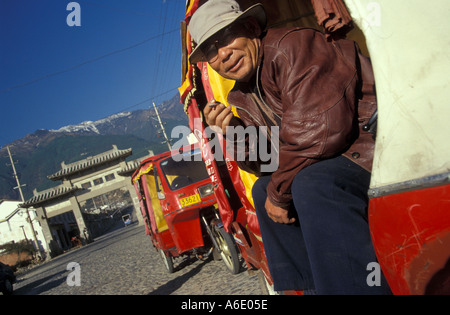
162 127
15 175
23 200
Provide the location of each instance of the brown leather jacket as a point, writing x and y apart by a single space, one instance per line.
320 94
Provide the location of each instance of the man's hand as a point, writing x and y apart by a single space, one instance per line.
218 116
278 214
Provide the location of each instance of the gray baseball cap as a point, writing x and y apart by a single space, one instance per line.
214 16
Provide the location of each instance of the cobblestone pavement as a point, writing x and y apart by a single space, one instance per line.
124 262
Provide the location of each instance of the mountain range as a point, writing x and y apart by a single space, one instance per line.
40 154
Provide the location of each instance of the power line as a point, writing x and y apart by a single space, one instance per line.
160 46
87 62
117 9
147 100
167 45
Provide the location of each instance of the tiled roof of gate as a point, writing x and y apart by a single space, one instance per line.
48 195
131 167
70 169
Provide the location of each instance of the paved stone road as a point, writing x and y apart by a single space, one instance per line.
125 262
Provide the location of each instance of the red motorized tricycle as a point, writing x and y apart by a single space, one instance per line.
232 186
409 204
180 210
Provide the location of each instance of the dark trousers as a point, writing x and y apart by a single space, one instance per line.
329 247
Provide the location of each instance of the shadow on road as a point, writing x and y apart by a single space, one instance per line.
41 285
176 283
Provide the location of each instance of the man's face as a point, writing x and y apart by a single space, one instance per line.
236 52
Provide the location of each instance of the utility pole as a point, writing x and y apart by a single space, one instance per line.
23 200
15 175
162 127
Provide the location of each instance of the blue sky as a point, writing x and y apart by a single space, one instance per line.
125 54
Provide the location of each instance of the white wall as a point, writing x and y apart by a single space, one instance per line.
11 230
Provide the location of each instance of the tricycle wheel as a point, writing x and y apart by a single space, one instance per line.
168 262
227 249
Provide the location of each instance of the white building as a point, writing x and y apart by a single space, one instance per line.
15 225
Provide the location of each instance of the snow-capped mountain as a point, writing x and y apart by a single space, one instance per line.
40 153
91 126
140 123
